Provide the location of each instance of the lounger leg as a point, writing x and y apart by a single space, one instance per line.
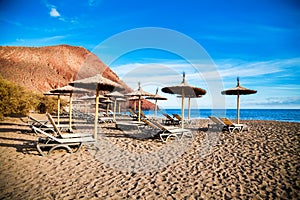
79 147
168 136
60 146
172 135
161 137
187 134
40 150
232 129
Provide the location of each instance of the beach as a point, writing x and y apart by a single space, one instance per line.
261 163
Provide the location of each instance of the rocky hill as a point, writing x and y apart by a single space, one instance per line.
44 68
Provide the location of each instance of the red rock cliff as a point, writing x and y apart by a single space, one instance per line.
44 68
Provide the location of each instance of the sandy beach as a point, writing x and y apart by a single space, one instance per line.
262 163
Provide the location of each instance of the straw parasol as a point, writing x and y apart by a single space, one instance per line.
58 102
134 99
115 95
68 90
156 97
184 90
238 90
139 93
98 83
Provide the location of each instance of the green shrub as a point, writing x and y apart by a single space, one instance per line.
15 100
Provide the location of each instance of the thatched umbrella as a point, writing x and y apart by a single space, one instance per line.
184 90
156 97
139 93
134 99
68 90
115 95
58 102
98 83
238 90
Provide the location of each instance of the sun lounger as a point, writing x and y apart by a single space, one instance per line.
58 132
217 124
234 126
170 120
133 114
179 118
44 124
143 116
167 132
50 143
104 119
224 124
83 116
110 113
129 125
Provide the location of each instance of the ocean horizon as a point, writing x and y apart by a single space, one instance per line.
288 115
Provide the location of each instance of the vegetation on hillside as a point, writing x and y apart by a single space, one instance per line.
15 100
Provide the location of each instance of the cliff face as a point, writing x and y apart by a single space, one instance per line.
44 68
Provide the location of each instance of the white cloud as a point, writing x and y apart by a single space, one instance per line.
54 12
227 70
53 40
233 68
268 77
275 101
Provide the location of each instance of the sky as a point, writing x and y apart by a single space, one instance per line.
154 42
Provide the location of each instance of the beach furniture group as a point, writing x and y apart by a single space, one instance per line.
171 128
54 137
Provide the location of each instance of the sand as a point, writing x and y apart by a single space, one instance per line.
262 163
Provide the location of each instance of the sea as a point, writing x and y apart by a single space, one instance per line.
288 115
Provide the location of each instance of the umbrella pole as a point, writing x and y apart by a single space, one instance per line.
189 110
139 114
85 107
58 108
119 107
238 109
134 105
155 108
115 107
96 114
70 111
107 106
182 109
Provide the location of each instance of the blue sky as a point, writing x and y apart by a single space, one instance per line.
256 40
